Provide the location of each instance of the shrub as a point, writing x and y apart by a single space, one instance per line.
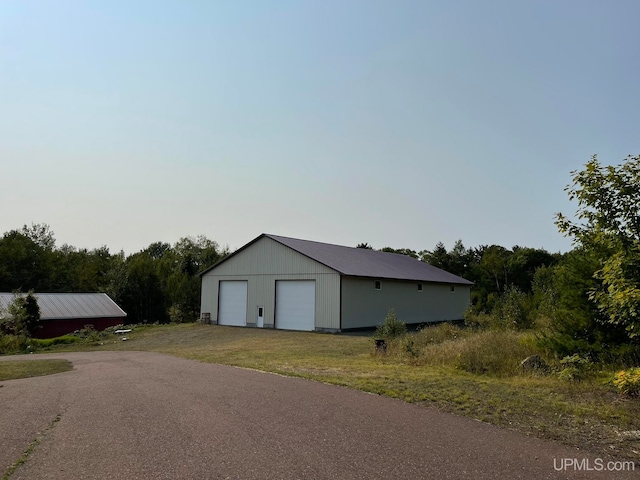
410 348
478 320
563 345
178 314
511 310
8 326
583 343
514 309
574 368
392 326
90 334
12 343
111 330
627 382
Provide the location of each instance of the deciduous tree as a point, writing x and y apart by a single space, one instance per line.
608 225
22 316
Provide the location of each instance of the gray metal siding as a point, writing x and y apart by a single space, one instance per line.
363 306
266 257
261 264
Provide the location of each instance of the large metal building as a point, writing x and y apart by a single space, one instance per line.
287 283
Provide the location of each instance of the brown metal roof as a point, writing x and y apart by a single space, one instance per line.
361 262
57 306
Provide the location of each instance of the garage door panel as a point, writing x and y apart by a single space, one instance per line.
233 303
295 304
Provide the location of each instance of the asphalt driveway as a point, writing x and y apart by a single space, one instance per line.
129 415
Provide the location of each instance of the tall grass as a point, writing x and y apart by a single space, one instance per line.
391 327
489 352
496 353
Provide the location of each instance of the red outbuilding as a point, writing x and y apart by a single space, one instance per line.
62 313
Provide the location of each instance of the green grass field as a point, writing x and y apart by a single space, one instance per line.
11 370
432 368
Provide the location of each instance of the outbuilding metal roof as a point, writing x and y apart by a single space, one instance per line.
362 262
57 306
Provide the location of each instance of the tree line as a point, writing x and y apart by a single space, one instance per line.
157 284
161 282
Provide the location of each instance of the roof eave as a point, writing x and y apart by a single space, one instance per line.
462 281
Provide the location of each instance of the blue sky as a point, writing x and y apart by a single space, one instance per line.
397 123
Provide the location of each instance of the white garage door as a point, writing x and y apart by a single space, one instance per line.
233 303
296 304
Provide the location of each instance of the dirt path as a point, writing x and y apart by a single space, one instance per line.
127 415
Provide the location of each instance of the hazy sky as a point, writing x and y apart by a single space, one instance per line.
397 123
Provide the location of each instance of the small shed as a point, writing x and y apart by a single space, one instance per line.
293 284
62 313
